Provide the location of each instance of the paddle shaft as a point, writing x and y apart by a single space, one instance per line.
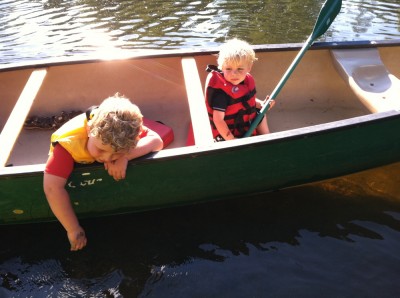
278 88
328 12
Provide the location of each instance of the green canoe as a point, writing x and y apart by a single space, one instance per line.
339 113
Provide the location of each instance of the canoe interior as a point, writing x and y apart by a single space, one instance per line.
314 94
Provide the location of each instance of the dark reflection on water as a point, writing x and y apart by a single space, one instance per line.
34 30
304 242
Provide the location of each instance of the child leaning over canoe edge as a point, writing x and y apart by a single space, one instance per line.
112 134
231 93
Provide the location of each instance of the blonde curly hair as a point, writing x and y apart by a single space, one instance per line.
236 50
118 122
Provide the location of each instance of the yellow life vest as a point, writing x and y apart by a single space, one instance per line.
73 137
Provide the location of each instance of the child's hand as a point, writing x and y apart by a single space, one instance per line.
77 239
260 103
117 168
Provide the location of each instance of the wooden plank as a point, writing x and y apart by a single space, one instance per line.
198 111
15 122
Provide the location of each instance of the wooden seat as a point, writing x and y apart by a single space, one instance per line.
15 122
368 77
198 112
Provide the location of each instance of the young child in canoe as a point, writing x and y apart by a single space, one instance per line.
111 134
231 93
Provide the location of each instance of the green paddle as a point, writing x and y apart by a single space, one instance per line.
328 12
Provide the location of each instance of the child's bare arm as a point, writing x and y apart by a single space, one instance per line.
222 127
60 204
150 143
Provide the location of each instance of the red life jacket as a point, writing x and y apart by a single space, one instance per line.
241 109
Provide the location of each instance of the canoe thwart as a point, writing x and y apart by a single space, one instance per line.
369 78
198 112
16 120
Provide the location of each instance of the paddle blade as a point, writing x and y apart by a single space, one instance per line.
328 13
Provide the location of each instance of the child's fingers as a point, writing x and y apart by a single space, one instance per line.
271 103
118 175
77 239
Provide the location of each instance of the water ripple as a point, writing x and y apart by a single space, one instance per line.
47 29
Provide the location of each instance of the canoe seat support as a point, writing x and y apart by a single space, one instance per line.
15 122
198 111
368 77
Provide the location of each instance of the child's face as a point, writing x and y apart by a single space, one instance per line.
101 152
234 72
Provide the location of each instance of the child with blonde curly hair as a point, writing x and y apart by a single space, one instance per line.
231 93
112 133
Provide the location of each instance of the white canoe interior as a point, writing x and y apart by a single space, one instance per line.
171 89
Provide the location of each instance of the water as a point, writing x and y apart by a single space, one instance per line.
339 238
34 30
334 239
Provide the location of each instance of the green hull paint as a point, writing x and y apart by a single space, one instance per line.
189 176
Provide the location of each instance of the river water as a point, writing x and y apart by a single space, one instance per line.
339 238
32 30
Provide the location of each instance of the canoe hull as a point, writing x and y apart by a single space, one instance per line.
189 175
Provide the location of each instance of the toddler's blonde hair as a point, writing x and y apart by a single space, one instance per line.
118 122
235 51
